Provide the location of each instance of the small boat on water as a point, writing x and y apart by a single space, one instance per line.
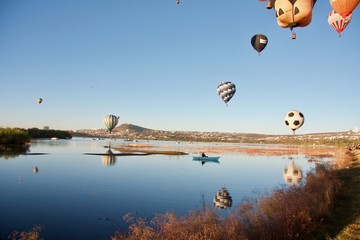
206 159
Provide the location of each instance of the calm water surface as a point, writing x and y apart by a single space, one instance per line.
78 196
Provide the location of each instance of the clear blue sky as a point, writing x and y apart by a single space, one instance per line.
157 64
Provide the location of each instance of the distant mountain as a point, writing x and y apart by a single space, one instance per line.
132 128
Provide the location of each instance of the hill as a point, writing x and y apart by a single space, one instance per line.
131 127
134 132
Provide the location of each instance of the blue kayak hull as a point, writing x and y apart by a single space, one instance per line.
209 159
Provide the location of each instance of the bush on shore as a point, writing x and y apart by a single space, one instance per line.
13 137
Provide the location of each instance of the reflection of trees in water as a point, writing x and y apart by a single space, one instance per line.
222 199
13 151
292 174
108 159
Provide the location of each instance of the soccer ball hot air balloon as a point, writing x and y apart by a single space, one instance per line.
226 91
338 22
259 42
111 121
344 7
291 14
40 100
294 120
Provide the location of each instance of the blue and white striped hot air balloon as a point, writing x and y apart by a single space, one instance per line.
226 91
111 121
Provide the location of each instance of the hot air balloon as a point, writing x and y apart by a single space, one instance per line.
40 100
291 14
226 91
294 120
344 7
268 5
259 42
177 1
111 121
338 22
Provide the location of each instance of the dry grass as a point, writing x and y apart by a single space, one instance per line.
344 221
33 234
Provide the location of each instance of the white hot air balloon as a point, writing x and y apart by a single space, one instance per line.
294 120
111 121
338 22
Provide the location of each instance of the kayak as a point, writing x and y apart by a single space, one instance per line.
208 159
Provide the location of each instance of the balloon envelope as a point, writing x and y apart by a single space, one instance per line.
344 7
338 22
226 91
111 121
290 14
294 119
259 42
40 100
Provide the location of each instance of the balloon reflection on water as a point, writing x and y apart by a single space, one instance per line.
292 174
108 159
222 199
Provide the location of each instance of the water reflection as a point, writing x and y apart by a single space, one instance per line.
108 159
86 193
222 199
13 152
292 174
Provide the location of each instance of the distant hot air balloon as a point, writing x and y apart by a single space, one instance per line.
294 120
177 1
40 100
291 14
226 91
259 42
338 22
344 7
111 121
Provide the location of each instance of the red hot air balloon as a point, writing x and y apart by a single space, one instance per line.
338 22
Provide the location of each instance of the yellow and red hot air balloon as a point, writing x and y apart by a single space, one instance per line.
344 7
291 14
40 100
338 22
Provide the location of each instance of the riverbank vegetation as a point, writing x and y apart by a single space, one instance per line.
48 133
16 141
13 141
19 136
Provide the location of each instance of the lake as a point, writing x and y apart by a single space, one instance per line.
74 195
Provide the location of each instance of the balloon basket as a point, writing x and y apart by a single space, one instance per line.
293 35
